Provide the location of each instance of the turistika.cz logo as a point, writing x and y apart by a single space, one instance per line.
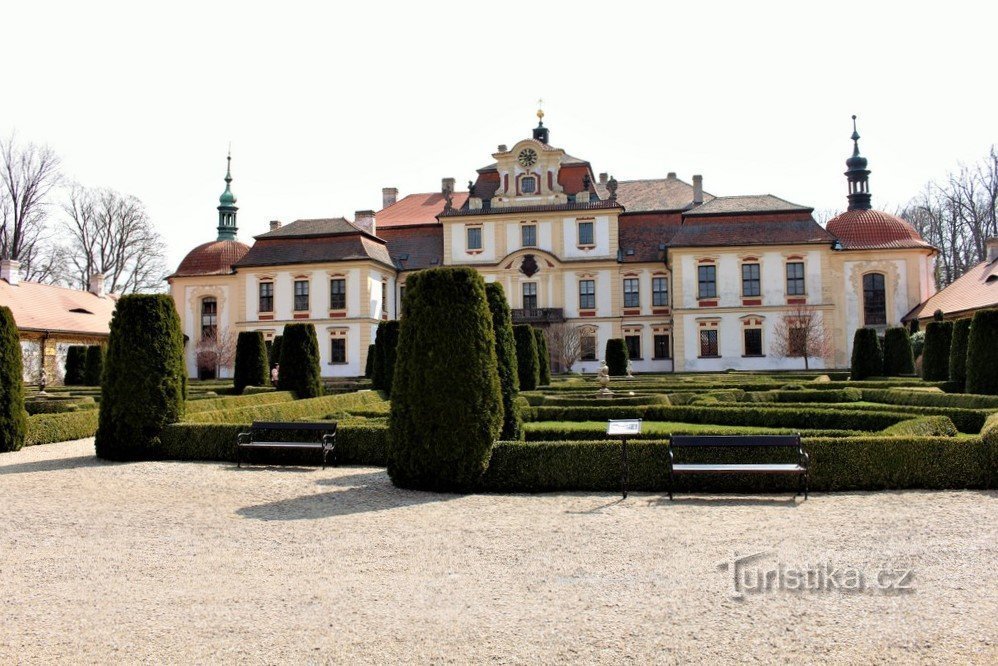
750 575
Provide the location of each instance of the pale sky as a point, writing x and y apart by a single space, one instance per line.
326 103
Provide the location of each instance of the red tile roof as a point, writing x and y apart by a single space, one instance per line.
642 234
874 229
415 247
746 203
214 258
977 289
416 209
43 307
315 250
790 228
653 194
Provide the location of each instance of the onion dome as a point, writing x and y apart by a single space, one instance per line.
227 208
214 258
873 229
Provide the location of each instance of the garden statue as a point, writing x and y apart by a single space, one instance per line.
43 380
603 377
630 369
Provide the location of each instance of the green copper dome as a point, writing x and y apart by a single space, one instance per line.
227 229
228 198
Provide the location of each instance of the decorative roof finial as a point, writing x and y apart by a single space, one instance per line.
857 175
540 132
540 111
227 205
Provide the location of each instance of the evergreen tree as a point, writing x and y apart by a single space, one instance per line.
543 358
958 352
275 350
94 366
372 354
76 366
385 347
616 356
252 366
509 380
300 371
982 353
527 367
13 418
898 356
935 358
867 354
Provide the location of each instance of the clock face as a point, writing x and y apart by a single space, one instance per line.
527 157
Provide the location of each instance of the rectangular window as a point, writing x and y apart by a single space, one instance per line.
753 342
586 233
529 295
384 298
528 185
632 297
708 342
301 295
338 350
662 347
588 348
750 280
337 294
209 318
660 292
874 299
528 235
587 294
266 297
795 278
474 238
633 343
707 282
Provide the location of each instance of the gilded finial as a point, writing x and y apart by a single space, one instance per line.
540 110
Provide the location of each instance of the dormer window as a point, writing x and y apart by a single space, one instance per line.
528 185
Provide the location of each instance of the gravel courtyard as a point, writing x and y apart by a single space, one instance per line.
203 562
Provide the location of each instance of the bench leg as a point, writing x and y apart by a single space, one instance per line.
239 456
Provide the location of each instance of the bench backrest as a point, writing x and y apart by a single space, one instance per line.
679 441
328 426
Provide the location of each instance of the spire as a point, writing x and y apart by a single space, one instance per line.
540 132
227 206
857 175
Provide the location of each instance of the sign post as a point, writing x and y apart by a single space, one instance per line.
624 428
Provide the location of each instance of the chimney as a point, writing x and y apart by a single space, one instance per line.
697 190
503 148
671 175
992 247
275 224
365 220
447 185
10 270
97 285
602 178
389 195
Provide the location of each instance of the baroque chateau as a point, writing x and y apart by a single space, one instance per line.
692 281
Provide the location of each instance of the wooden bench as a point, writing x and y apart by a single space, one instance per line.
250 440
800 468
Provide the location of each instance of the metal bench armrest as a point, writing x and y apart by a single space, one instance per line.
329 441
244 438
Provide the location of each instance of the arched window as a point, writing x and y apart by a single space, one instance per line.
874 300
209 317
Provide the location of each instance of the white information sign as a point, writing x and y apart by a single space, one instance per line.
623 427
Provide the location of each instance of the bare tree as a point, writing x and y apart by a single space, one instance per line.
28 174
110 233
801 333
216 350
565 343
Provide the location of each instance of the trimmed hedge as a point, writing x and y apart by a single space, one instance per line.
982 353
929 399
447 407
252 366
286 411
867 355
237 401
958 353
926 426
935 358
506 363
616 357
299 371
849 394
562 433
543 359
591 401
386 350
33 407
898 357
144 377
95 365
527 365
76 366
49 428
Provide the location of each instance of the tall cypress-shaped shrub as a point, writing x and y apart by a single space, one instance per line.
275 350
867 355
958 352
144 377
252 365
616 356
982 353
935 358
898 357
543 358
300 361
95 365
527 367
76 366
446 402
509 377
369 364
385 346
13 418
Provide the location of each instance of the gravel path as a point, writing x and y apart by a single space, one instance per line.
201 562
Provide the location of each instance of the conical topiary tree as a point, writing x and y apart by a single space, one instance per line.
369 364
144 377
446 402
76 366
13 419
95 365
867 355
935 358
300 370
385 348
616 356
275 350
958 352
509 378
982 353
543 358
527 368
898 357
252 366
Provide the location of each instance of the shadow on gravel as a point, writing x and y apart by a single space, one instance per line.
788 503
353 480
53 465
